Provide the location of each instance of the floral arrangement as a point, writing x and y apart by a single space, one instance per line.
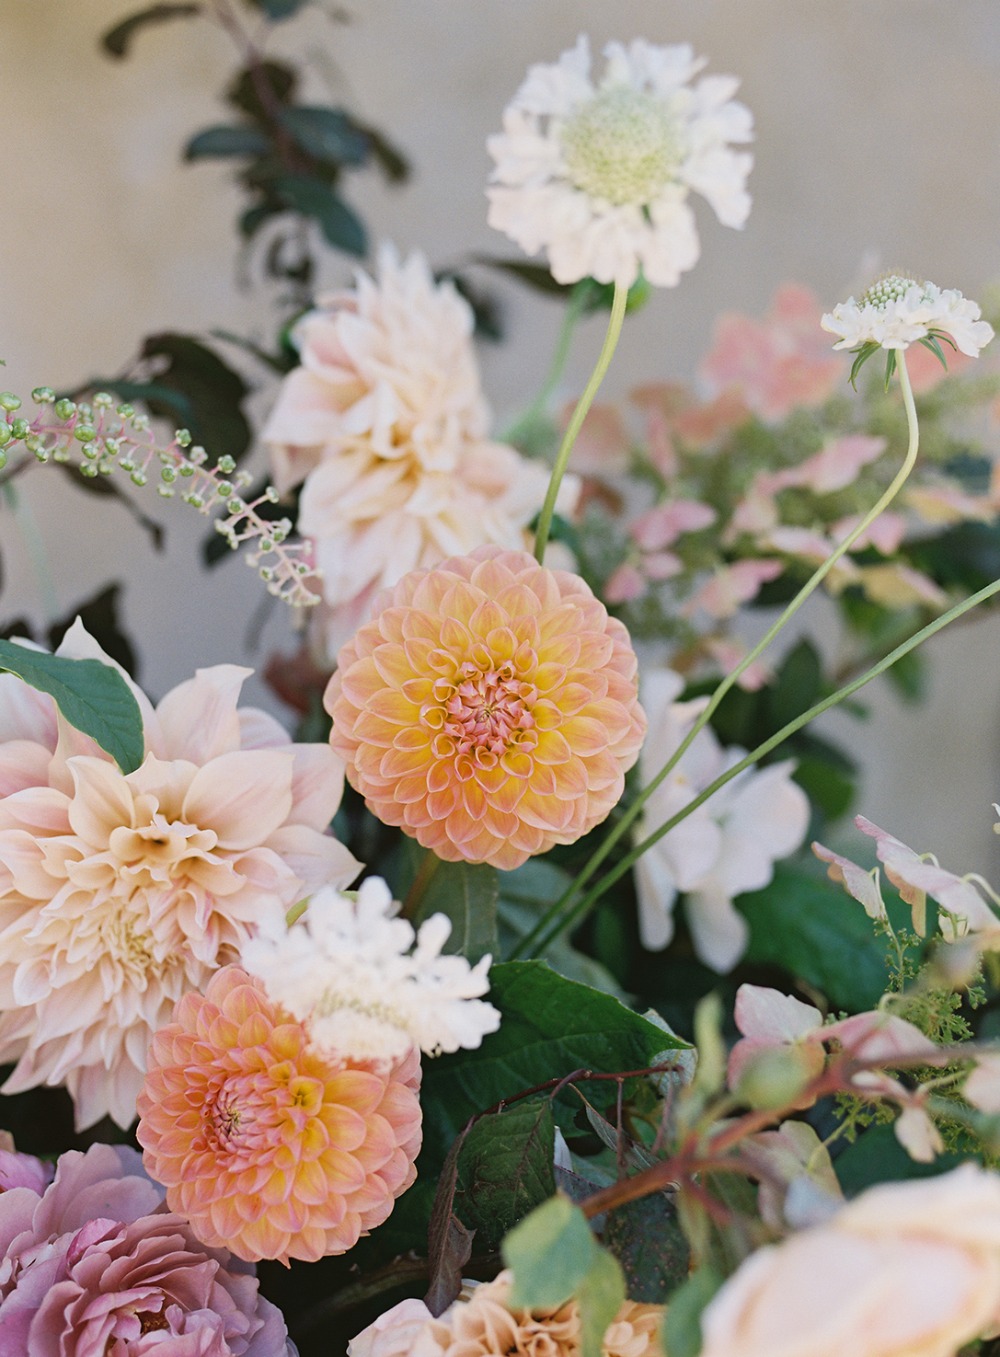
456 992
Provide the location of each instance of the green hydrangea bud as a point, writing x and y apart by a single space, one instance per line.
776 1078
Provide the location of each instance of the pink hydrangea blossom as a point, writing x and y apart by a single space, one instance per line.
120 892
776 365
730 586
93 1266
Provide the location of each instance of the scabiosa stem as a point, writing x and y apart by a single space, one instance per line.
579 415
558 917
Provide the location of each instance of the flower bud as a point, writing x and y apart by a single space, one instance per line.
778 1077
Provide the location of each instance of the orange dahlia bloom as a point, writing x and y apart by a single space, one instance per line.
489 708
266 1146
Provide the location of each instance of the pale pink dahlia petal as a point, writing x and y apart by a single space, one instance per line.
489 708
119 892
269 1147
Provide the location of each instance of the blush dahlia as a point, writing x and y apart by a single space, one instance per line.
271 1148
489 708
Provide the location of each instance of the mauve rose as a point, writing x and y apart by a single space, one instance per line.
94 1267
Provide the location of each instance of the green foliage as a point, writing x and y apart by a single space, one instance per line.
227 140
646 1238
554 1256
550 1028
92 696
682 1325
117 39
805 924
467 893
505 1169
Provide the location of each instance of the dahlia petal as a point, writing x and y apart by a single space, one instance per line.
244 795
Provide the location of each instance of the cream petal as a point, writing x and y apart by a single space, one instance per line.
244 796
198 719
103 800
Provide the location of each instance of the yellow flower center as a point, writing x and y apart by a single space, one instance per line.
624 145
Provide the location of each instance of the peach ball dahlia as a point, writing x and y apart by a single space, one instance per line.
269 1147
489 708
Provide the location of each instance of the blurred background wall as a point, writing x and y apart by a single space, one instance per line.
878 145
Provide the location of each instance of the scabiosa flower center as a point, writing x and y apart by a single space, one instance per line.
487 709
623 145
892 288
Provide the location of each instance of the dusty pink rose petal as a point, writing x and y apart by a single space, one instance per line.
92 1266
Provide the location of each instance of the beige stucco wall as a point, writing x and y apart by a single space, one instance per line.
878 144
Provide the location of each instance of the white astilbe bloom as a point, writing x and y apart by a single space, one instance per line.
599 175
727 846
896 312
350 971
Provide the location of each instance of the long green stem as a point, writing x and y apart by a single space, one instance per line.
583 907
815 580
579 415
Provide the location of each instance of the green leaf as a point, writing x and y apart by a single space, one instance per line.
506 1169
276 10
877 1157
467 893
326 133
536 276
277 78
550 1252
549 1027
646 1238
92 696
599 1299
805 924
116 40
213 390
682 1325
798 685
341 227
231 140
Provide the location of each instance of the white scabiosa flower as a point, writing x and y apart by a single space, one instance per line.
599 175
897 311
367 985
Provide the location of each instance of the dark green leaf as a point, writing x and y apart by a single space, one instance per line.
646 1238
227 141
274 78
341 227
797 686
449 1241
467 893
827 786
389 158
506 1169
326 133
92 696
909 677
550 1027
254 218
805 924
276 10
682 1323
214 391
116 40
877 1157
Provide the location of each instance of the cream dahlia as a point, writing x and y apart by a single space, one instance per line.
599 175
386 425
267 1146
120 892
367 985
483 1324
489 708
